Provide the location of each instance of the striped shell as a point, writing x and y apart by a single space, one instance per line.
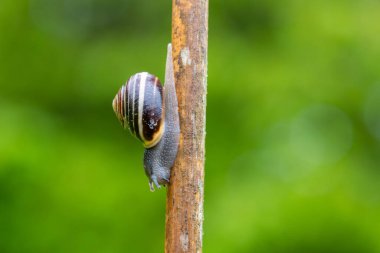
138 106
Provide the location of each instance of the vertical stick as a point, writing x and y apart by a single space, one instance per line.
184 206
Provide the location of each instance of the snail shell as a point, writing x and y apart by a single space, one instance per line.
139 106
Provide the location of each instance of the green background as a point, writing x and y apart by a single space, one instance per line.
293 126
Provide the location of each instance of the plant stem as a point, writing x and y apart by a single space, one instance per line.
184 206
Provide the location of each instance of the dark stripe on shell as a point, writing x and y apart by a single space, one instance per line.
136 106
119 105
152 112
125 106
130 85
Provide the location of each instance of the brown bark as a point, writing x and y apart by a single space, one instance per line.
184 206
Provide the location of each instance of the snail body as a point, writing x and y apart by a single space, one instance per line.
150 111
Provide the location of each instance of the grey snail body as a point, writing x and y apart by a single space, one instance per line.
151 114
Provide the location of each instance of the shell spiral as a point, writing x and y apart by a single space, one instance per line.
139 106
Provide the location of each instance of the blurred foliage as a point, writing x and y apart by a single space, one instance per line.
293 126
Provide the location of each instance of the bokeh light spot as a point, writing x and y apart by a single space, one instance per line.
320 135
372 111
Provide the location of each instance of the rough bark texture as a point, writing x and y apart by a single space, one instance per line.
184 207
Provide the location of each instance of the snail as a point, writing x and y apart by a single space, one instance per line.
150 111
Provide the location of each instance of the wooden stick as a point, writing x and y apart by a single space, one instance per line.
184 206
